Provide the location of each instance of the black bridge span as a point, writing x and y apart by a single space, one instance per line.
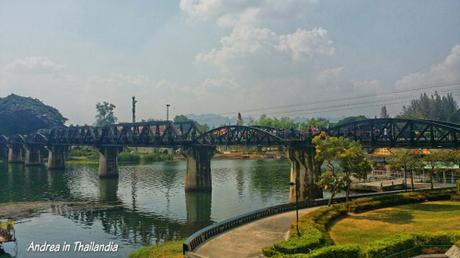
199 147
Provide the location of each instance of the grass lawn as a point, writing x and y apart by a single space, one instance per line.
369 226
170 249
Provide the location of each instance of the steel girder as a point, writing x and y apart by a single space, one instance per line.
396 132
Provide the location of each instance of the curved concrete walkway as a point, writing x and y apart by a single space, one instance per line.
249 239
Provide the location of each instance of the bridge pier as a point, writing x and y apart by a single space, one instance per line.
108 161
33 155
15 154
198 175
305 172
56 157
198 206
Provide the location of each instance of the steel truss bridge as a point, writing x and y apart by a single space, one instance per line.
199 147
371 133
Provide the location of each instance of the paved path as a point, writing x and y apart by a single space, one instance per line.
248 240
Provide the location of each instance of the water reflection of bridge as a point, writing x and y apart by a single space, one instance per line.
140 225
199 148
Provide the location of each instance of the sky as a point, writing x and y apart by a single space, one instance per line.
284 58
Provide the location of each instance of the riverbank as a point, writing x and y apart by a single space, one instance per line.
86 155
23 210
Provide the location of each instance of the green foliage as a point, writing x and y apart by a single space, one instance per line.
320 123
406 161
129 157
104 114
372 203
170 249
434 107
284 122
135 158
389 246
351 119
313 225
415 241
313 232
303 244
23 115
182 118
348 154
335 251
433 160
79 152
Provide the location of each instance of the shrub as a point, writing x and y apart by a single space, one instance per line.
303 244
336 251
313 225
388 246
156 156
128 157
372 203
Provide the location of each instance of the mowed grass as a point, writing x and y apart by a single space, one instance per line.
171 249
366 227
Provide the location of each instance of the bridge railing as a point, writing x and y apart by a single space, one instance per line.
203 235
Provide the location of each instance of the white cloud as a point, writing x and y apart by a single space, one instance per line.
248 41
446 71
33 64
255 12
330 74
306 43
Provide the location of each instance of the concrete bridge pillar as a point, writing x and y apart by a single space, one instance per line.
15 154
198 176
33 155
56 156
305 172
108 161
198 206
108 189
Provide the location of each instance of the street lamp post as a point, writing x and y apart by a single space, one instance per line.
167 111
295 184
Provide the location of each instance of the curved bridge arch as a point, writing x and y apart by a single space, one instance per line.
3 140
286 134
398 132
239 135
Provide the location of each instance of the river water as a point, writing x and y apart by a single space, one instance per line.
153 206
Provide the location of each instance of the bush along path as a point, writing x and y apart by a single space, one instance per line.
314 239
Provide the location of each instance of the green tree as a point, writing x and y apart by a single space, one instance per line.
282 123
355 164
344 159
182 118
432 161
351 119
434 107
104 114
406 161
320 123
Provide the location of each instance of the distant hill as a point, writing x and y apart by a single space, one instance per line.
212 120
23 115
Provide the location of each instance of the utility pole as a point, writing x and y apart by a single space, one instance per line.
167 111
134 101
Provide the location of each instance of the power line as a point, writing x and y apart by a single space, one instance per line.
349 107
432 86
